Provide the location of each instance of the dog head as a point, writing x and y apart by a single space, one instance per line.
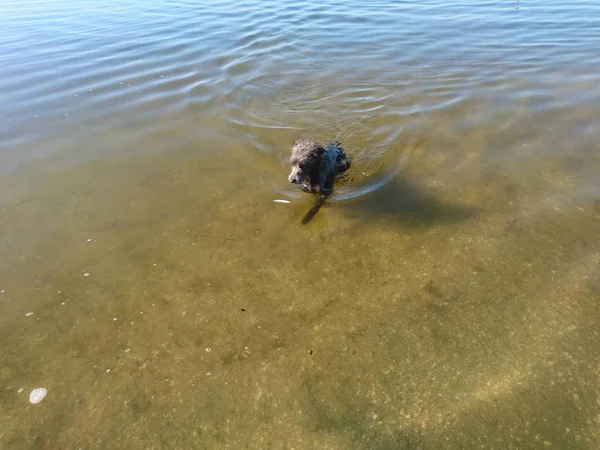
306 160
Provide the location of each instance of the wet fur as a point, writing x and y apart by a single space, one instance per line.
315 167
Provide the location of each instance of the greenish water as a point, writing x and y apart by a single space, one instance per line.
175 305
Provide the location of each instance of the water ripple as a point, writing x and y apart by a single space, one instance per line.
274 70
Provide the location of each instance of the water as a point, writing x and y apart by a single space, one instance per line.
447 297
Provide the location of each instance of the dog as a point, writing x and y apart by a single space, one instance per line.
315 167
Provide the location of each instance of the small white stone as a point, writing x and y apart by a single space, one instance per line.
87 274
89 240
115 319
62 304
107 370
29 314
2 291
207 349
20 390
37 395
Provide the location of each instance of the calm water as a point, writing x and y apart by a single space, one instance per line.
447 297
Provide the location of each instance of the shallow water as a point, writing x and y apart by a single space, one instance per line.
446 297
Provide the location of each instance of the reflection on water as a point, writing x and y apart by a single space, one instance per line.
446 296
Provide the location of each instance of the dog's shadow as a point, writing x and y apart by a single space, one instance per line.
320 201
402 202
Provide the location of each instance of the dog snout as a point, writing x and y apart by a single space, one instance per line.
294 178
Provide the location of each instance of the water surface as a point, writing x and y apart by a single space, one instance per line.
448 297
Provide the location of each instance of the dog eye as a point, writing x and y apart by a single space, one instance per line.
303 167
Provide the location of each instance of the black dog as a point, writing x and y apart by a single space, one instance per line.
315 167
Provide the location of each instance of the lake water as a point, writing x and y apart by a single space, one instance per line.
446 297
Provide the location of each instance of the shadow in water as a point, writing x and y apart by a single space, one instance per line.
334 408
409 205
319 202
